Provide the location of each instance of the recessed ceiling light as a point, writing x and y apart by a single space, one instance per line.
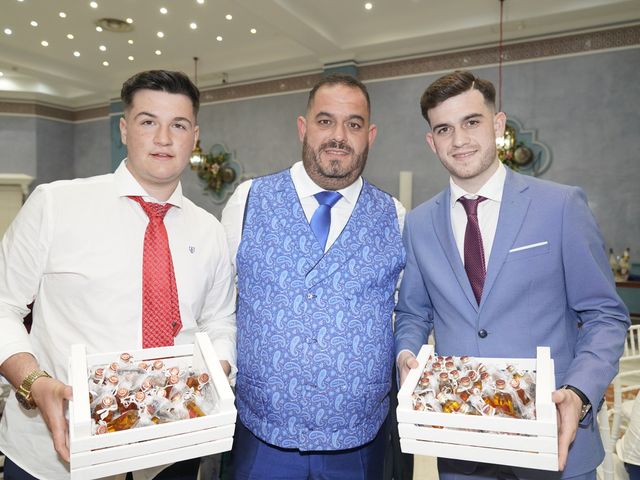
76 54
44 43
228 16
130 42
129 20
193 25
8 31
70 36
160 34
102 48
254 31
98 29
219 38
368 6
200 2
33 23
93 4
1 74
163 10
158 52
130 58
105 63
62 15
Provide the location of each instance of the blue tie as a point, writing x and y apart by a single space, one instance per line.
321 220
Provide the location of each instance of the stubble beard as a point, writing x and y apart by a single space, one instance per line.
334 175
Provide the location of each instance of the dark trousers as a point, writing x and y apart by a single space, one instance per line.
14 472
185 470
397 465
633 471
254 459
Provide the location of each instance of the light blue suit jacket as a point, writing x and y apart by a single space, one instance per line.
548 283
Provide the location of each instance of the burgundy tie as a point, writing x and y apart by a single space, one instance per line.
473 250
160 309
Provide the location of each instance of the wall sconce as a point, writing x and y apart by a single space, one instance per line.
519 150
216 169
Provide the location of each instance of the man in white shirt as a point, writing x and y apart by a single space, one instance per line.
318 253
76 250
499 263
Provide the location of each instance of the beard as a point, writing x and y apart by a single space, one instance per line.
336 170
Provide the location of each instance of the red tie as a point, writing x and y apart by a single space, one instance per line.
160 309
473 250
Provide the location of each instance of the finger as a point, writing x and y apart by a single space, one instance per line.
412 362
60 434
67 393
563 451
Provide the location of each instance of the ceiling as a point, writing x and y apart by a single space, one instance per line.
291 37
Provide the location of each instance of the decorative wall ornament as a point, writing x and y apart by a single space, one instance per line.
217 170
521 151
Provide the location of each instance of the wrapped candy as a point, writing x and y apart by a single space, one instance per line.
125 394
463 385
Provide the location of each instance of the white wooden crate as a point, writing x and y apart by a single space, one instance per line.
498 440
95 456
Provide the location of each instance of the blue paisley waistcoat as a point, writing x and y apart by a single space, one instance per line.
315 343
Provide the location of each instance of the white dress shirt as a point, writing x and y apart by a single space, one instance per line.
233 213
76 248
488 211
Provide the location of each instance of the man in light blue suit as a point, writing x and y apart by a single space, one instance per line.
536 274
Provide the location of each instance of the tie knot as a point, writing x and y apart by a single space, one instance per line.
471 204
153 210
328 198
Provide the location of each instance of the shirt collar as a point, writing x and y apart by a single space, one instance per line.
307 187
128 186
491 190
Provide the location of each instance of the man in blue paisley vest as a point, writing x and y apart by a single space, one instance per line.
316 282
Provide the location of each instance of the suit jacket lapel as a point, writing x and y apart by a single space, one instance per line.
513 210
441 217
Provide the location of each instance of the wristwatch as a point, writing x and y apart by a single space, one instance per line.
23 393
586 404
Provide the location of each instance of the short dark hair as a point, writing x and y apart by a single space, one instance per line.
339 79
454 84
160 80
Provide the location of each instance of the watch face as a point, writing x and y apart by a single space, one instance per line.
24 401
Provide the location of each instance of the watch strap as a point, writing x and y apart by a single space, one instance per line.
24 390
586 404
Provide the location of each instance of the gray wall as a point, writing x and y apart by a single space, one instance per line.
18 145
92 148
584 108
54 148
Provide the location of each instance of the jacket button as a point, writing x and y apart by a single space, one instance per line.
482 333
310 296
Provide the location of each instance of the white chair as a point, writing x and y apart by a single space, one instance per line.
627 380
606 470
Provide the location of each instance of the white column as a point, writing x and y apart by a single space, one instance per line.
406 189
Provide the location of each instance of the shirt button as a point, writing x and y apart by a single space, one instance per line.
310 296
482 333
